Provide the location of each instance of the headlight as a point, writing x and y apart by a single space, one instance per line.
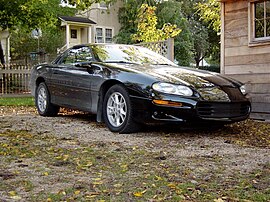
243 89
172 89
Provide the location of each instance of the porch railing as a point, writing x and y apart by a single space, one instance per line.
14 80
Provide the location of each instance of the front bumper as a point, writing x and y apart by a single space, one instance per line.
145 111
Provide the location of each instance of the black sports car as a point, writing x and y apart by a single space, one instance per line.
127 86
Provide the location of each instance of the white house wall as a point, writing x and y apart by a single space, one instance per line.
105 18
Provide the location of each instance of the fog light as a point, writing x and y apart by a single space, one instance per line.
168 103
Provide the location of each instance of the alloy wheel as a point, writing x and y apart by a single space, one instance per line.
116 109
42 99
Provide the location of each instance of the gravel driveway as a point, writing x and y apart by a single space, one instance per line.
205 153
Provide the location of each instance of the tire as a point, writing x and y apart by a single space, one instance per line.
43 101
118 111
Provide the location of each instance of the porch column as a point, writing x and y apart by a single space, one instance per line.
222 45
8 49
67 35
89 40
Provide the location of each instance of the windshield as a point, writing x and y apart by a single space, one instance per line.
128 54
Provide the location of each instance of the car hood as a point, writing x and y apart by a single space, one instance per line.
181 75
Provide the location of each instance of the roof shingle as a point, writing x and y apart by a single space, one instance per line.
77 19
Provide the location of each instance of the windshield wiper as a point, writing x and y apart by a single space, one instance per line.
120 61
162 64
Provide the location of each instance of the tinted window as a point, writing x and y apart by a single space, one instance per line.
129 54
77 55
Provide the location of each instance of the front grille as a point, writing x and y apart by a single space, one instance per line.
222 110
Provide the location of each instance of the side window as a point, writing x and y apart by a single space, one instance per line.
259 24
78 55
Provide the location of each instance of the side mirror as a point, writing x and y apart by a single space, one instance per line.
91 68
83 64
94 69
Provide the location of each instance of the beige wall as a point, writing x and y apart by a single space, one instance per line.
105 18
247 62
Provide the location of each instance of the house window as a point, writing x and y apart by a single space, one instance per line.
99 35
104 35
260 21
108 36
73 33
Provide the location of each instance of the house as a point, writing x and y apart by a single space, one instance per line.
245 49
99 24
5 42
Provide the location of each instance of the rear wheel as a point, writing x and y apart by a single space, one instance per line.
118 112
43 101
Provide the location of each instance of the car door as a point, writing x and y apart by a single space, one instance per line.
71 81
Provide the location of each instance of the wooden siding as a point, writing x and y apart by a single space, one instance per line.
249 64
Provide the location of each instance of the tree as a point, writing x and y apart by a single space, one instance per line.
166 12
147 30
31 14
23 43
201 41
84 4
172 12
127 17
205 37
35 13
210 12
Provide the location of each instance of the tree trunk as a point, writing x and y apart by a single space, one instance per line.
2 57
197 63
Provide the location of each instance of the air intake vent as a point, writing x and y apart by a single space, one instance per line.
222 110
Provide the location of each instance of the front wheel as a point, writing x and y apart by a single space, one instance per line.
43 101
117 110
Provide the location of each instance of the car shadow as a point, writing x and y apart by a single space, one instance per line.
173 129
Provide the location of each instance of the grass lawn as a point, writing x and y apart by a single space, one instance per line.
17 101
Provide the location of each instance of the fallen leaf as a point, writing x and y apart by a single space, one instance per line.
218 200
77 192
138 194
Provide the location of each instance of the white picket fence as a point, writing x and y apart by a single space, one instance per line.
14 80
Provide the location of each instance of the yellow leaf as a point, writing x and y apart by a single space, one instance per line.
12 193
158 178
49 200
138 194
172 185
97 183
46 173
88 164
92 194
77 192
124 166
65 157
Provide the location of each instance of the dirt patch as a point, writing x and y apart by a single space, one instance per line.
72 157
